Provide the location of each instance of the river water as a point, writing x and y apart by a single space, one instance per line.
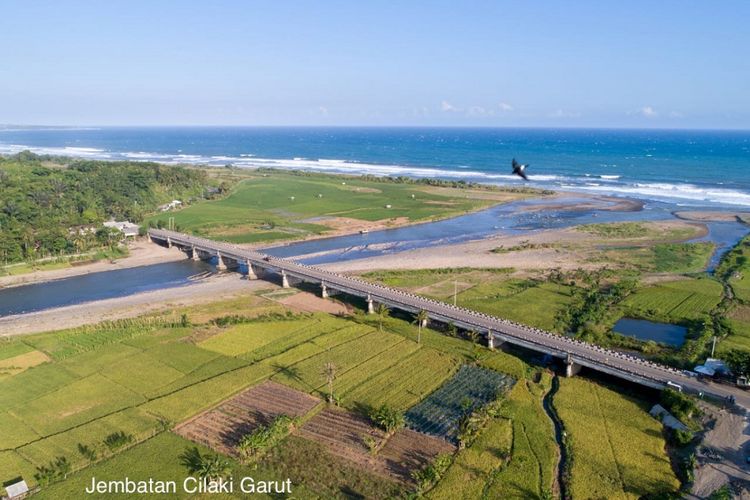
98 286
512 218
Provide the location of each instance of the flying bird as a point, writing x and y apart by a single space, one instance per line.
519 170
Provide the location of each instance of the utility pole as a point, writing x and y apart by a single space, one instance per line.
455 291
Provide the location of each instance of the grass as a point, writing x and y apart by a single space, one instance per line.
676 300
530 471
617 447
404 384
475 468
140 377
278 205
638 230
491 291
678 258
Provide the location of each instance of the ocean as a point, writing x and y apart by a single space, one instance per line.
682 168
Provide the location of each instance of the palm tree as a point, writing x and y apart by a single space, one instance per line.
382 312
329 371
421 319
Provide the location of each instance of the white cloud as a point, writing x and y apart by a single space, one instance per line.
504 106
447 107
646 112
323 110
676 114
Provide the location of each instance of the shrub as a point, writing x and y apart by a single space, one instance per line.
57 470
389 419
118 440
265 437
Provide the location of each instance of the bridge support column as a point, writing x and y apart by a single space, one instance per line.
251 275
194 254
423 323
370 306
323 291
284 279
490 340
220 266
571 367
169 242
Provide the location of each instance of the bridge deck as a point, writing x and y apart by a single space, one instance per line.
604 360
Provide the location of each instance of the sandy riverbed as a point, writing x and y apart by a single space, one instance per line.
216 287
142 253
565 249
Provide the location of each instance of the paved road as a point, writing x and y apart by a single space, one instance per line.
581 353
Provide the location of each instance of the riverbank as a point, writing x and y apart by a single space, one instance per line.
566 249
141 253
213 288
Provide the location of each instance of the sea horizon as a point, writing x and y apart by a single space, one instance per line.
687 167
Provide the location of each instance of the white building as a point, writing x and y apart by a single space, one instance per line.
128 229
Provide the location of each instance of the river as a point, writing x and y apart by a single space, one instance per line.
511 218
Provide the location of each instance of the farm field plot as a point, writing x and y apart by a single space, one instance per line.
617 447
470 388
281 205
77 403
408 450
530 469
308 374
243 338
21 362
222 427
683 299
404 384
343 434
474 468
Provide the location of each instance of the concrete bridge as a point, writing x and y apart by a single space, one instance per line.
574 353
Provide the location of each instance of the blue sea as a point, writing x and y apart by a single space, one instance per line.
682 168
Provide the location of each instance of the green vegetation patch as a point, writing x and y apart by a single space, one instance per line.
530 470
240 339
308 374
475 468
661 257
617 448
405 383
677 300
281 205
74 404
469 389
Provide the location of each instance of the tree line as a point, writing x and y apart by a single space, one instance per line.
54 205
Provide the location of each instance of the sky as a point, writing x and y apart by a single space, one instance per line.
663 64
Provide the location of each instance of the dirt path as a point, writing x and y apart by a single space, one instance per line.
721 456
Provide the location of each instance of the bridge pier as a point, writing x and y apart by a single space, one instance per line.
323 290
194 254
251 274
370 305
571 367
490 340
220 266
284 279
169 242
